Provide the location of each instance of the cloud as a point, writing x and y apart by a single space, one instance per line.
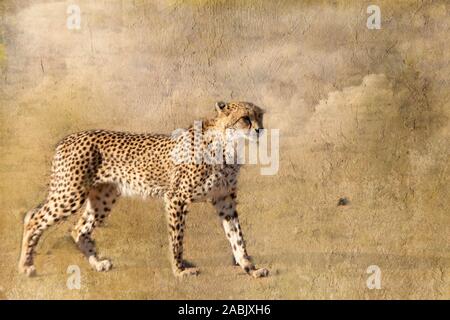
354 115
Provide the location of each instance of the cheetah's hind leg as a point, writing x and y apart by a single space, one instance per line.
99 204
38 220
26 265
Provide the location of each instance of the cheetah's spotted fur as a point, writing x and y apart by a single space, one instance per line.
96 167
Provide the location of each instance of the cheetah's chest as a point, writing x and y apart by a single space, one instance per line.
219 182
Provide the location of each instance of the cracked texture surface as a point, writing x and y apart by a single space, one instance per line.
364 115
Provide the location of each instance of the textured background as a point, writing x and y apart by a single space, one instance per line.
364 114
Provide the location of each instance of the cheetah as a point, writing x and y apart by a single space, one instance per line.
91 169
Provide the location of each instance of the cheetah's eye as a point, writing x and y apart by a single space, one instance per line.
247 120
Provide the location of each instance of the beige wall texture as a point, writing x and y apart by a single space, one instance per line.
363 113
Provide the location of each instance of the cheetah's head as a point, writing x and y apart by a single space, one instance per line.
240 117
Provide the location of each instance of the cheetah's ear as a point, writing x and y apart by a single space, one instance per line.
220 107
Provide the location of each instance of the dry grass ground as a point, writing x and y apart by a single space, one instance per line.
363 115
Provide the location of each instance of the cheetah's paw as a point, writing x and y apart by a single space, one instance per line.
260 273
100 265
187 272
30 271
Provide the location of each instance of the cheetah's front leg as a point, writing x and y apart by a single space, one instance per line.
176 215
226 207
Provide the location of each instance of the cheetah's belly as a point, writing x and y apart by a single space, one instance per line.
144 191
